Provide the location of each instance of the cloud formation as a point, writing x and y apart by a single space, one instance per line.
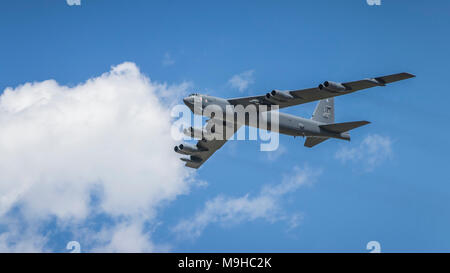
242 81
272 156
19 238
168 59
370 153
98 148
265 205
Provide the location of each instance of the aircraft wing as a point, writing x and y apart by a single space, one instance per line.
209 147
296 97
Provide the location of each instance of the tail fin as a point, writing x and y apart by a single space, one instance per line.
324 111
340 128
343 127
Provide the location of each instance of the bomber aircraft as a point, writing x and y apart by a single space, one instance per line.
320 127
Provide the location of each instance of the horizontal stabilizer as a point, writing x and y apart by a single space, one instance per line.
313 141
343 127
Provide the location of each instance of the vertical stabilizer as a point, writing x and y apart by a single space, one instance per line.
324 111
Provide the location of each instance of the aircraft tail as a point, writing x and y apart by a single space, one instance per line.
343 127
313 141
324 111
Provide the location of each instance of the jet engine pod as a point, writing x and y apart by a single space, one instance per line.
192 159
186 149
196 133
190 149
280 95
177 149
333 86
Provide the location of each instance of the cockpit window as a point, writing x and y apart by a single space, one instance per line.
193 95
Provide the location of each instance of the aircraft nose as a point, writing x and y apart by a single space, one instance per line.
188 101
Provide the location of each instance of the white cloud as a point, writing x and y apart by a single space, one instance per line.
295 220
73 2
13 241
128 236
168 60
275 154
242 81
232 210
108 136
371 152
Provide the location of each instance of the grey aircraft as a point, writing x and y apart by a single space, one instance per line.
320 127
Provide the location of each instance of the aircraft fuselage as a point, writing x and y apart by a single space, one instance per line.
287 124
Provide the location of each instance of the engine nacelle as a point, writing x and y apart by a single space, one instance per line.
280 95
196 133
271 99
186 149
193 159
376 82
333 86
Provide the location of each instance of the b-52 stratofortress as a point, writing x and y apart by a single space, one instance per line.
320 127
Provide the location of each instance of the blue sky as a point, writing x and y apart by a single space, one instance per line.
401 201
